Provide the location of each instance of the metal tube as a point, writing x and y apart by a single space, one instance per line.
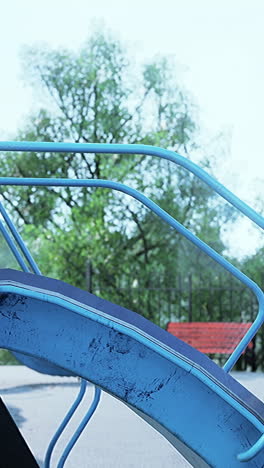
80 428
13 248
19 240
136 149
64 423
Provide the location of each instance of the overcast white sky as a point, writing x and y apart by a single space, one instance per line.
217 44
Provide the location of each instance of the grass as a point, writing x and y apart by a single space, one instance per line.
7 359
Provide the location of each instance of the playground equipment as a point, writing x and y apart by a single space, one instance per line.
208 416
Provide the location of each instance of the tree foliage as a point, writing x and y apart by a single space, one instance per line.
92 97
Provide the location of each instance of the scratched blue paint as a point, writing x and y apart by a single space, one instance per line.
39 364
195 414
29 361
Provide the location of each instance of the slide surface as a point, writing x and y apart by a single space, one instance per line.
208 416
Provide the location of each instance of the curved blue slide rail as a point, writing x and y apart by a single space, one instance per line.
148 150
49 366
196 405
163 154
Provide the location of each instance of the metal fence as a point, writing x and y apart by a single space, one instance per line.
186 299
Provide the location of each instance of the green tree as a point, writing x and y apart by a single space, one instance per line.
91 97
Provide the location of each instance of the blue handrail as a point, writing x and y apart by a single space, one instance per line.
176 225
13 248
64 423
79 430
20 242
253 451
136 149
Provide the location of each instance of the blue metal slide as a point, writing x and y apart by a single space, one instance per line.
57 329
196 405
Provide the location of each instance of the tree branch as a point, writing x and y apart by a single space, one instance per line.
142 233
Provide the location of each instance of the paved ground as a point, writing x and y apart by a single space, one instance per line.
115 437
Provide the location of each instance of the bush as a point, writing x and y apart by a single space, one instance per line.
7 359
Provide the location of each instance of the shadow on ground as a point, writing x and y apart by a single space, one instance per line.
33 387
19 419
16 414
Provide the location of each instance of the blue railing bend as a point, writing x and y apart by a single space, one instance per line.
16 181
104 148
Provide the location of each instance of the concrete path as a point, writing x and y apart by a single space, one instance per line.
115 437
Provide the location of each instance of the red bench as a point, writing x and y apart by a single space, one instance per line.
214 337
